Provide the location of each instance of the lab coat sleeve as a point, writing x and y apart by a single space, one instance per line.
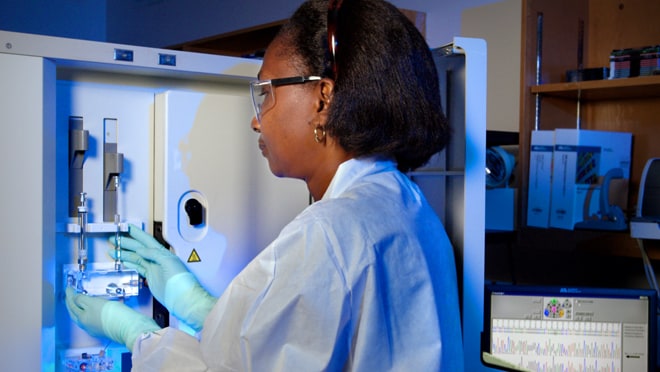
287 311
167 350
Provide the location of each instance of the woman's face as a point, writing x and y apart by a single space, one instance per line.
287 127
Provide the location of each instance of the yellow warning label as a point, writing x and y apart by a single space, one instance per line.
194 257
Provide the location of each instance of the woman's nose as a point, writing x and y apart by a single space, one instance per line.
255 125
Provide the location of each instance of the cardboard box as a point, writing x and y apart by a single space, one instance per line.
581 159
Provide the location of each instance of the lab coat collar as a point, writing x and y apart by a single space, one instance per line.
356 168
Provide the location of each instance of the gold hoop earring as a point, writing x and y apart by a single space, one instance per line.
319 134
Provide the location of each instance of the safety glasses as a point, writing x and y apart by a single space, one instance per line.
263 92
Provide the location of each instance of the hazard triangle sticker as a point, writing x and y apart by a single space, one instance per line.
194 257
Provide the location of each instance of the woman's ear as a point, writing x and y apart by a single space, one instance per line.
325 94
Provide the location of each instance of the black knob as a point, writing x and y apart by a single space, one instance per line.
195 212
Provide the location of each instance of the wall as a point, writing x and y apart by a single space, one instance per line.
500 24
159 23
76 19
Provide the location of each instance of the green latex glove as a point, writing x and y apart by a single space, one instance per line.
168 278
111 319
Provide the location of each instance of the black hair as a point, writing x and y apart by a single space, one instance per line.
386 99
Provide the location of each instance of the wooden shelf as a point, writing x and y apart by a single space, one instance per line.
249 42
583 33
636 87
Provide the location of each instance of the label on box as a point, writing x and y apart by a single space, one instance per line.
540 178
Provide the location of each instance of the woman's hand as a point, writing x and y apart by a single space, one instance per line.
111 319
168 278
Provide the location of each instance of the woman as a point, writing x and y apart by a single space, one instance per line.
362 279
